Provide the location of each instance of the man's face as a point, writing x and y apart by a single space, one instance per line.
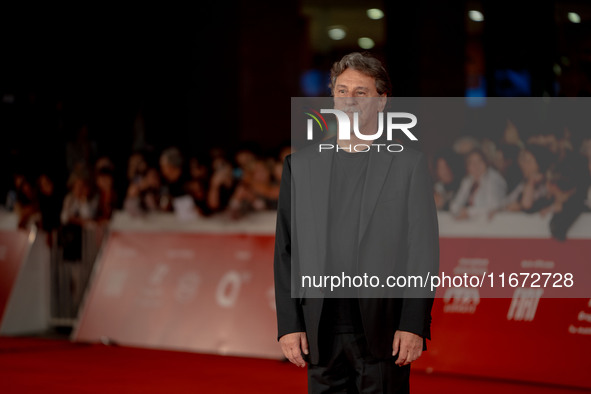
169 172
355 91
475 165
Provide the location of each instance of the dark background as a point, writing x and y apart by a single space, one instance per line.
222 72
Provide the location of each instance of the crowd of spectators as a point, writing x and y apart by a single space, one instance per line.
545 173
187 184
204 185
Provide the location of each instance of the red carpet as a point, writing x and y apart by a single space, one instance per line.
32 365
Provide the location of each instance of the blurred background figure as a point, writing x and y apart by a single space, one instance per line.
174 178
465 144
481 191
256 191
449 169
25 201
505 160
79 209
285 150
222 181
245 158
50 204
511 135
136 167
198 183
143 194
568 183
586 152
531 192
107 196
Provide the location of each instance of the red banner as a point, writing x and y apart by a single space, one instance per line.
198 292
213 293
525 336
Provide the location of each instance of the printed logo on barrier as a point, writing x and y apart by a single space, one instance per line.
524 304
465 299
461 300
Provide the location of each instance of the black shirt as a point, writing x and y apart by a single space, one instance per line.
346 187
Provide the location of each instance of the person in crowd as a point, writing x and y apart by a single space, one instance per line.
197 184
588 199
510 135
49 205
107 196
449 169
136 167
285 150
530 193
174 177
79 209
586 152
222 182
78 212
505 161
256 191
568 182
465 145
245 158
482 190
25 204
143 194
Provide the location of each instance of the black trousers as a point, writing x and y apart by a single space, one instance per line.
349 368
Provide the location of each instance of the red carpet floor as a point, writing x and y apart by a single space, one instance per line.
33 365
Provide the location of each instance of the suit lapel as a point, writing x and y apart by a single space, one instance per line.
320 172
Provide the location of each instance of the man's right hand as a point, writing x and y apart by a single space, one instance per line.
293 345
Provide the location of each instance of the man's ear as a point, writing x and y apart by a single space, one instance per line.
383 99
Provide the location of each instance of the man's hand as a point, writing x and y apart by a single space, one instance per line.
409 347
293 345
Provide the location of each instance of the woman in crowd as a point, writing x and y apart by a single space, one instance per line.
529 194
448 174
482 190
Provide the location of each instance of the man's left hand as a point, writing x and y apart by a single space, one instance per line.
409 347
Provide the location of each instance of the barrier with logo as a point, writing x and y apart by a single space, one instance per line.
24 278
199 291
13 249
208 287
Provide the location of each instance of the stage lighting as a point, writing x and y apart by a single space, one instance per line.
476 16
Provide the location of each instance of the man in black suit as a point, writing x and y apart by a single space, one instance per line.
353 212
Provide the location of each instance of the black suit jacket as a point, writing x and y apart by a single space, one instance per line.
398 234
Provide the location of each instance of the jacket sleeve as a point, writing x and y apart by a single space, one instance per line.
423 251
289 312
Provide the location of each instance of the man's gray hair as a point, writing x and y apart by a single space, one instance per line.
365 63
173 156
